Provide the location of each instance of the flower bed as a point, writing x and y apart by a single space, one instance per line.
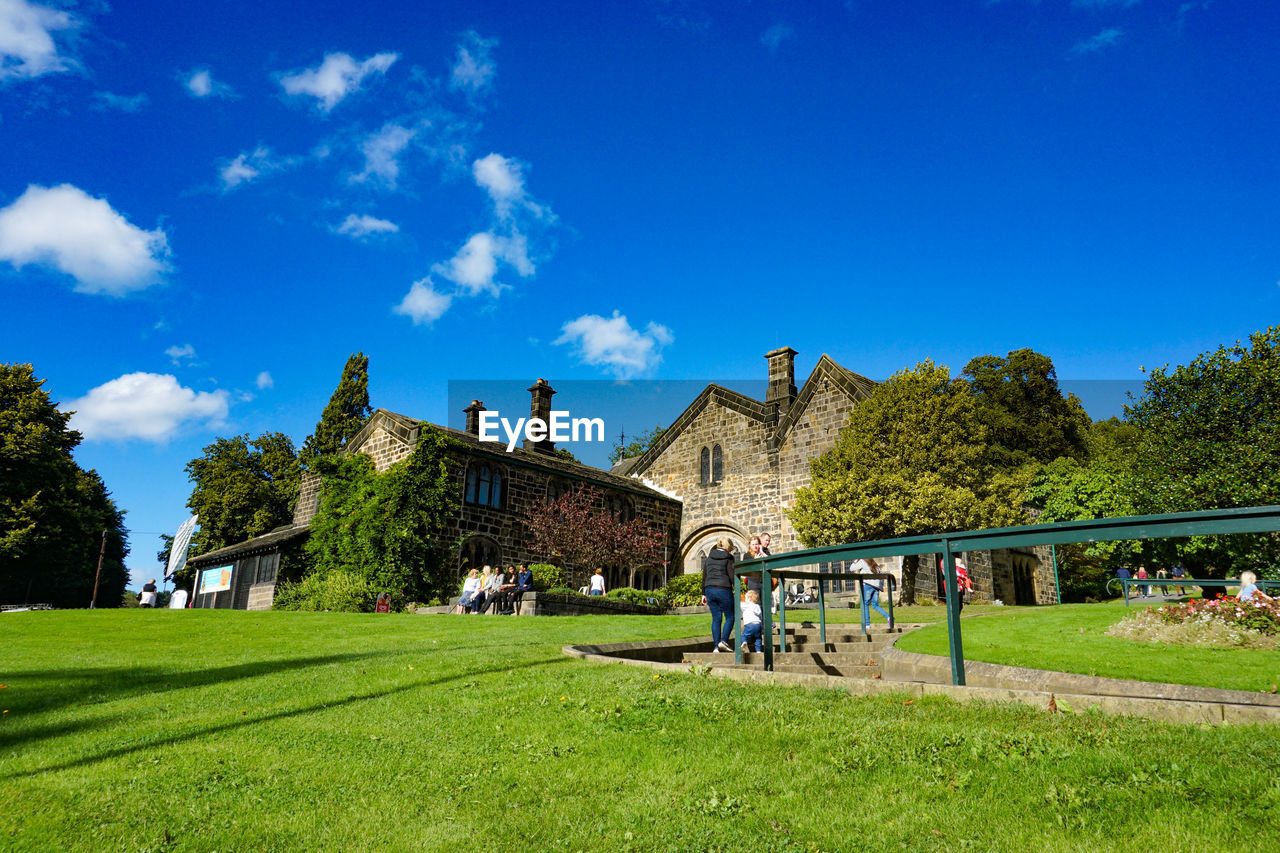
1219 621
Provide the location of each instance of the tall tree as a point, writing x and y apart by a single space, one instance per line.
915 457
242 489
1209 438
578 532
346 413
52 512
1028 416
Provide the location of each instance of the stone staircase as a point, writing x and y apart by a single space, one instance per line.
847 651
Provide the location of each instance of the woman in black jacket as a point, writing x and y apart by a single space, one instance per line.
717 593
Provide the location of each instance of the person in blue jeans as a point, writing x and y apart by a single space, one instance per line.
871 590
717 593
752 623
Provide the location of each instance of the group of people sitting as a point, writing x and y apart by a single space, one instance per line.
495 589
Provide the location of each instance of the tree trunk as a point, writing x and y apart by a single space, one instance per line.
910 568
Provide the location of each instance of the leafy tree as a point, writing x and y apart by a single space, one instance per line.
564 453
1069 489
242 489
637 445
915 457
576 530
345 415
1209 438
1028 416
388 528
52 511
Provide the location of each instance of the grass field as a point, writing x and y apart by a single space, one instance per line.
1071 638
215 730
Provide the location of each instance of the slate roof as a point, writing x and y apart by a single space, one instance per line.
258 544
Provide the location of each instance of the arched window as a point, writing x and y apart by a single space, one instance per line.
706 467
717 464
620 507
484 485
556 487
478 552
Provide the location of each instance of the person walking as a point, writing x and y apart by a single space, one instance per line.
149 594
597 583
717 593
871 590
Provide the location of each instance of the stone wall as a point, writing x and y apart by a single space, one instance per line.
308 498
765 461
744 501
261 595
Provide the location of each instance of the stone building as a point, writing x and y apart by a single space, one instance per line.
736 462
494 489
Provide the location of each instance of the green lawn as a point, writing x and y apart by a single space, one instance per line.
198 730
1072 638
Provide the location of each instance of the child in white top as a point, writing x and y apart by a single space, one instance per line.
752 622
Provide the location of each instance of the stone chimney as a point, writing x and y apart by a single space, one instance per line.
473 416
540 407
782 379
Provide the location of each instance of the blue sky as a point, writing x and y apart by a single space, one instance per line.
204 208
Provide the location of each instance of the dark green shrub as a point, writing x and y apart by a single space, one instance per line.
547 576
648 598
562 590
338 591
683 590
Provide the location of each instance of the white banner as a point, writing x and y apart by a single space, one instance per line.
181 541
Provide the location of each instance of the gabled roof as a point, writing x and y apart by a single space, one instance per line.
854 385
406 429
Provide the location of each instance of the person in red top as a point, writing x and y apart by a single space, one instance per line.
963 584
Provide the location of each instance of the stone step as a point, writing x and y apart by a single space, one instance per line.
865 658
844 670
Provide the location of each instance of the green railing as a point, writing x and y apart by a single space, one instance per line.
1258 519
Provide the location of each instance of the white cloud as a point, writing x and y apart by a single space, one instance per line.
1107 38
359 227
423 303
200 84
264 381
27 46
336 77
611 343
148 406
473 67
503 179
178 354
65 228
776 35
382 153
248 167
475 267
103 101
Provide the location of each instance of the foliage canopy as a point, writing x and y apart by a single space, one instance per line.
52 511
345 414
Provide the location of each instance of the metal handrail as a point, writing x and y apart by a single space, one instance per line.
1257 519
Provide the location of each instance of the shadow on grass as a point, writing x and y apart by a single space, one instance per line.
28 694
220 728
